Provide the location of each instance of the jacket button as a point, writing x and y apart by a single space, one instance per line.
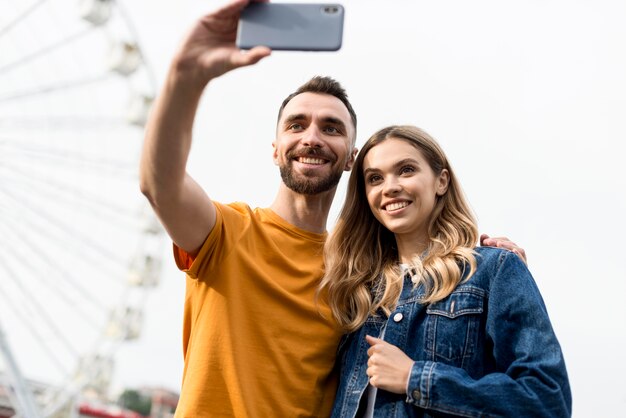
416 395
398 317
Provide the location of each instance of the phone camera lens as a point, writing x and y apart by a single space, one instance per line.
331 9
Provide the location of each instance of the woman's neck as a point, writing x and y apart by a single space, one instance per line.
409 248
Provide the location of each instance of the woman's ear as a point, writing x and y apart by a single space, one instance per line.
442 182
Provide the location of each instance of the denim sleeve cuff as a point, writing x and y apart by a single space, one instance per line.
419 384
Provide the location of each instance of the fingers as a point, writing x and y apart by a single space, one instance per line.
372 340
224 20
234 8
487 241
500 242
520 253
372 369
388 367
376 344
503 242
228 10
254 55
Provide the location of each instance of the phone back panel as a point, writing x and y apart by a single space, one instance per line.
291 26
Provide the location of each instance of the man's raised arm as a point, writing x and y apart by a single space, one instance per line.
207 52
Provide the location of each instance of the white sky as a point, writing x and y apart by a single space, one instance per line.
527 98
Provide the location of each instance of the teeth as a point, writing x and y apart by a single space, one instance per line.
311 160
396 206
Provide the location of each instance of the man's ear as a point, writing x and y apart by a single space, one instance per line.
442 182
274 153
350 161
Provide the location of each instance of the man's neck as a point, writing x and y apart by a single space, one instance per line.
308 212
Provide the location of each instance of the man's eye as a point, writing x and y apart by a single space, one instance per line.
331 130
295 127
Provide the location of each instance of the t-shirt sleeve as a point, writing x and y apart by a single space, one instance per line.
183 258
229 222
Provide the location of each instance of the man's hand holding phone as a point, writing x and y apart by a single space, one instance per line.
209 49
214 44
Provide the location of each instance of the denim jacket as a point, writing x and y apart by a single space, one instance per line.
487 350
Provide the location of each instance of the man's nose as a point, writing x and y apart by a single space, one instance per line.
312 137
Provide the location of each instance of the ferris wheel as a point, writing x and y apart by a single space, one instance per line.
79 249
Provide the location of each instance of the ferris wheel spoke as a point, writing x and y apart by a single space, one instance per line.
62 157
41 53
66 195
35 309
50 268
67 228
19 18
111 269
16 311
39 124
54 88
124 220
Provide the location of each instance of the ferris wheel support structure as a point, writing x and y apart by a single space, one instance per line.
78 260
21 392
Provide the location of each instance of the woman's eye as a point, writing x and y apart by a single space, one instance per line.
374 178
407 169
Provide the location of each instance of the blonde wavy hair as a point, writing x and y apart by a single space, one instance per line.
362 272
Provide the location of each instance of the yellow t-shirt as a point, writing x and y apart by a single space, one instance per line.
254 342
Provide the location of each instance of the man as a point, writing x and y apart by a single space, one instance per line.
255 342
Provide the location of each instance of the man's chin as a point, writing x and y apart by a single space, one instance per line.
308 184
310 187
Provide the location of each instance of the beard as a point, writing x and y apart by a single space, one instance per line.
308 185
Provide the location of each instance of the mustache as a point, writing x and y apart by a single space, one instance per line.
311 152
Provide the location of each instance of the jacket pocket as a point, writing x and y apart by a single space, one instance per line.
453 326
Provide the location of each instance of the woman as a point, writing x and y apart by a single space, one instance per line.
436 326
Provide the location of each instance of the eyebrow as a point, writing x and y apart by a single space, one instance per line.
397 164
292 118
334 121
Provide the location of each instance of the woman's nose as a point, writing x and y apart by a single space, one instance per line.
391 186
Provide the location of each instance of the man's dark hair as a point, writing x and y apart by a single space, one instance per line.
322 85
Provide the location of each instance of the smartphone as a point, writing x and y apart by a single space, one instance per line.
291 26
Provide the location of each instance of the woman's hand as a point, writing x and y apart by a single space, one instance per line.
388 367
